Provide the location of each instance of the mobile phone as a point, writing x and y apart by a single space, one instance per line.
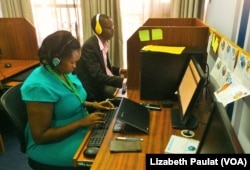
152 106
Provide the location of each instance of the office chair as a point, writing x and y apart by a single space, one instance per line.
15 109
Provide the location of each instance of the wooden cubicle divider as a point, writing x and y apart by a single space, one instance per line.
189 32
17 39
179 22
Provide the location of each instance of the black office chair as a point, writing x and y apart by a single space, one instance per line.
15 109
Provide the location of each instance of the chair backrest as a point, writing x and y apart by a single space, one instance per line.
15 108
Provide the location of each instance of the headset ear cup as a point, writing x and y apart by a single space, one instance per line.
56 61
98 28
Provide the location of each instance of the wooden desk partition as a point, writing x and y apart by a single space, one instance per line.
188 32
17 39
154 142
18 46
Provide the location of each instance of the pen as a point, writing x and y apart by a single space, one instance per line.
129 139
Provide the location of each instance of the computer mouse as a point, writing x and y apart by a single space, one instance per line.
90 152
7 65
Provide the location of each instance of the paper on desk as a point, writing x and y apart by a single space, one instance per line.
180 145
165 49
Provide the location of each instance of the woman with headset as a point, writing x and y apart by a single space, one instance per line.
94 69
56 103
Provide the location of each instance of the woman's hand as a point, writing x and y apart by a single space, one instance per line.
93 118
103 105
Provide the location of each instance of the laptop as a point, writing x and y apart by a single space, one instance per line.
131 117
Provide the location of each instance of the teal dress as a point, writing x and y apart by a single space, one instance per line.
43 86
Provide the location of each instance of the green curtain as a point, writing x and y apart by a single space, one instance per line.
187 8
17 8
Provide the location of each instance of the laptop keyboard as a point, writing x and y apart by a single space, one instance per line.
99 130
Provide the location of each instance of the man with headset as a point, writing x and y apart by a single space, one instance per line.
94 69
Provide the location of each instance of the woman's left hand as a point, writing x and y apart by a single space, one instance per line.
104 105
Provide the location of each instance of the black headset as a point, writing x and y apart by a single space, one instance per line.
56 60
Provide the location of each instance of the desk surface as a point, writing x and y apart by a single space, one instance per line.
17 66
159 135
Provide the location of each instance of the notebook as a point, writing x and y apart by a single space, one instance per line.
132 117
125 146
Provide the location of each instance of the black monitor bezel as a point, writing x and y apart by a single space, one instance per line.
184 118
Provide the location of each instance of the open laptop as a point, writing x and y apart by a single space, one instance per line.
131 117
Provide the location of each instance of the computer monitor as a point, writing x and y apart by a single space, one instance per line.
219 136
188 92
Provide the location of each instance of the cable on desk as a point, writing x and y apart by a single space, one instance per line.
207 81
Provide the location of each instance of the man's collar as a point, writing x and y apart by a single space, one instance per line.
101 45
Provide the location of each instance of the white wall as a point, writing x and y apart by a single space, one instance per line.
247 41
224 16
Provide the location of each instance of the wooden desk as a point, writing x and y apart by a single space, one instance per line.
17 67
159 135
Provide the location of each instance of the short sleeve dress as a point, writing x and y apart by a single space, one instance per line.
43 86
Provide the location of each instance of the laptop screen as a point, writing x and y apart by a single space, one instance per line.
133 115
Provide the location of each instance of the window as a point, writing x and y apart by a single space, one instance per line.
135 13
52 15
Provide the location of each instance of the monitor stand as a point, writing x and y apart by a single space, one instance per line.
177 123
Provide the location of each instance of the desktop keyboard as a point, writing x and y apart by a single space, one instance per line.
99 130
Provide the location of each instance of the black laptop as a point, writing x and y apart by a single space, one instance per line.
131 117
